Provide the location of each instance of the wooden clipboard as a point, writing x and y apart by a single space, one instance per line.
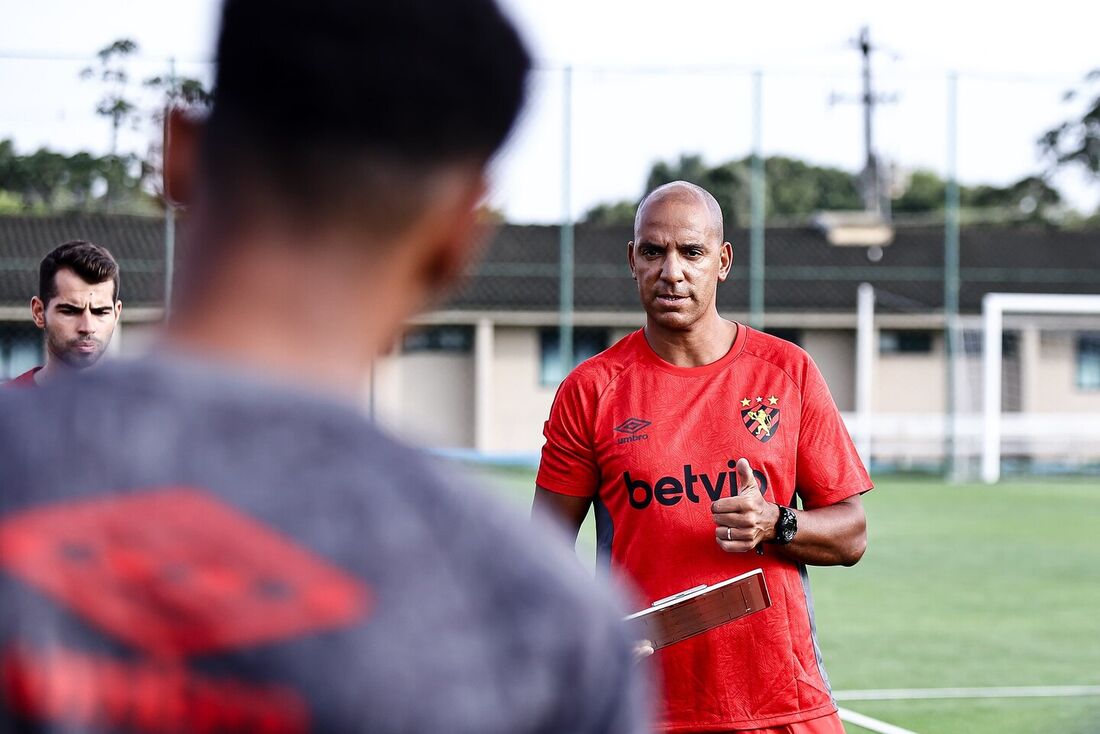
699 609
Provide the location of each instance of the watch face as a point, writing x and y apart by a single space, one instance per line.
787 526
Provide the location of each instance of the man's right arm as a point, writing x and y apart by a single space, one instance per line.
567 511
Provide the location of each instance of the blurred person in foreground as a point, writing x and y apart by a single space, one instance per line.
77 307
214 538
695 437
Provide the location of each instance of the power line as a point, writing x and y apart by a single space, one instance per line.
25 55
809 70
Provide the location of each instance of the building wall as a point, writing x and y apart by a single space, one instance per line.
520 404
910 383
133 339
834 352
406 387
1053 385
427 398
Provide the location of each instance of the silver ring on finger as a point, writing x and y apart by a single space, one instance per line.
729 533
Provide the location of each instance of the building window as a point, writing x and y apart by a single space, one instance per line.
905 342
450 338
20 349
1088 361
587 342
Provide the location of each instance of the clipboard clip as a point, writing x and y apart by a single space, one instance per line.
679 595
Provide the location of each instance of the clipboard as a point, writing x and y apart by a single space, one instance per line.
694 611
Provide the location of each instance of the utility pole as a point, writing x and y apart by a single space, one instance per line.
871 190
876 197
565 234
951 284
170 212
756 197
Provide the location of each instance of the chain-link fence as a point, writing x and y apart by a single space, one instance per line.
602 133
621 123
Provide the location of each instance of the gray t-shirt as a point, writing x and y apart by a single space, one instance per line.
183 548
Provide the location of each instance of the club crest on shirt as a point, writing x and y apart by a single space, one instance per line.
760 415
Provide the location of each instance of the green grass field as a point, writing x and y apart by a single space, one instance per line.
962 586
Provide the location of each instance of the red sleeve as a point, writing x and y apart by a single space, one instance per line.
568 463
829 469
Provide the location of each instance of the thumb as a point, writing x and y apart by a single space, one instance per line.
745 480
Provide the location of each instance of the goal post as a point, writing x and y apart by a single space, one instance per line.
994 308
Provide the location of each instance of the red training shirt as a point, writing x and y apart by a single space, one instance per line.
24 380
653 444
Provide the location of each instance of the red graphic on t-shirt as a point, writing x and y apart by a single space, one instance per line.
175 572
96 692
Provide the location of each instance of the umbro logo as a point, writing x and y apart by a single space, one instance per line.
632 426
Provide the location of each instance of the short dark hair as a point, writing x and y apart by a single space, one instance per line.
338 105
91 262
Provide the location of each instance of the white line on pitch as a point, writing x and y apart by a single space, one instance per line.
853 717
897 694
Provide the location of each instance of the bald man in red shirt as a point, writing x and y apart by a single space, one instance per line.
699 440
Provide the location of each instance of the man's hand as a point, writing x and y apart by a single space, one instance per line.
744 521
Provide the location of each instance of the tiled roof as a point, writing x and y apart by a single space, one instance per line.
802 271
520 272
136 242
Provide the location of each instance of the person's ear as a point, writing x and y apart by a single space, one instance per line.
630 259
38 312
182 132
725 261
457 231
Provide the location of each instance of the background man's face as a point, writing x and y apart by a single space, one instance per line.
678 260
79 321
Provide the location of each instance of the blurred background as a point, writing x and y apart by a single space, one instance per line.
883 170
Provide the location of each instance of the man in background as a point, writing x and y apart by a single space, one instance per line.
214 538
77 307
696 437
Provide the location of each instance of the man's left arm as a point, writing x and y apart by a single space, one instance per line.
833 535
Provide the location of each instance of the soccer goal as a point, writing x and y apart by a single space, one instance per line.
1050 418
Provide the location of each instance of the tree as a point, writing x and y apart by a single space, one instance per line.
794 188
1029 198
46 180
1030 195
173 91
728 182
130 175
616 212
115 105
925 192
798 189
85 170
111 72
1076 142
179 91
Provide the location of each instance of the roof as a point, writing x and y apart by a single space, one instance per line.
136 242
520 271
802 271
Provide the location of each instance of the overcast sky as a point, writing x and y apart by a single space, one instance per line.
653 80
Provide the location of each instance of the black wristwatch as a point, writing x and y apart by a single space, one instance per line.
785 527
